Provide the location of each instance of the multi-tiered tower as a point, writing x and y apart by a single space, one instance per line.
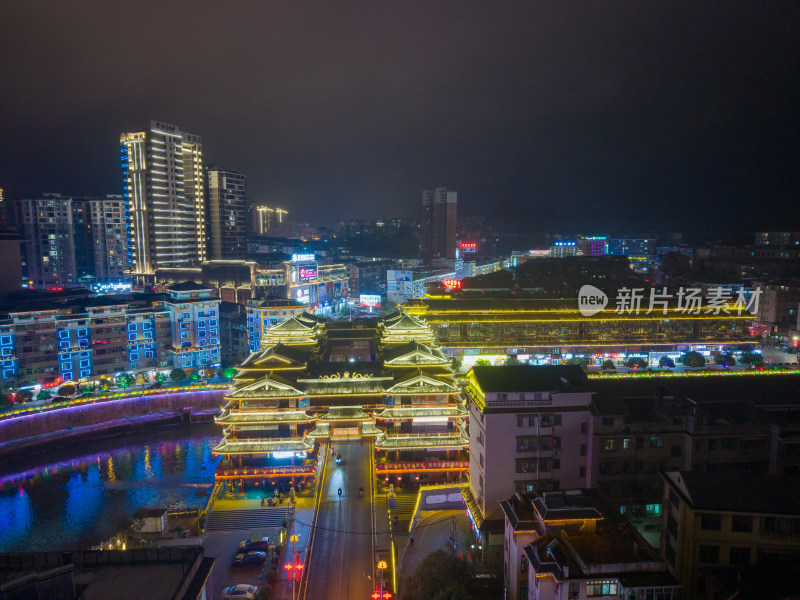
384 381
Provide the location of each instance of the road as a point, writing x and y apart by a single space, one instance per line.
341 558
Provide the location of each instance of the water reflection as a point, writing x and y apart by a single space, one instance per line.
78 497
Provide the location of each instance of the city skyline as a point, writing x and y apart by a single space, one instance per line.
341 111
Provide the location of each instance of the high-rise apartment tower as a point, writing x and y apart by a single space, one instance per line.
162 172
438 223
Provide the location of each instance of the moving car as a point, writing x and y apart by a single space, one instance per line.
240 592
338 459
249 558
256 543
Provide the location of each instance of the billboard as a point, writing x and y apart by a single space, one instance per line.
371 300
307 273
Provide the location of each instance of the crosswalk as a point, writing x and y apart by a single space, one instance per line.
232 520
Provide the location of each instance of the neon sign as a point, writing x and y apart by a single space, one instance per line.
302 257
452 283
307 273
371 300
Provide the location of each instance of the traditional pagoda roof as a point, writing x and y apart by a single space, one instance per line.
409 412
270 385
422 382
245 417
262 446
323 430
414 353
278 355
421 441
344 413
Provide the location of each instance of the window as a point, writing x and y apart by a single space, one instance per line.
531 421
674 499
583 449
729 443
653 509
712 444
520 421
626 443
481 459
609 446
739 556
601 588
708 554
639 443
556 420
608 421
671 555
672 526
710 522
582 472
656 441
547 421
741 523
526 466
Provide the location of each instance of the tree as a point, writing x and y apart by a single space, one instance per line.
125 380
68 389
751 358
665 362
511 360
43 395
693 359
177 375
160 378
229 373
195 376
636 363
441 576
608 365
724 359
482 362
583 363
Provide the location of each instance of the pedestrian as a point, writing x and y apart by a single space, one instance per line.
410 542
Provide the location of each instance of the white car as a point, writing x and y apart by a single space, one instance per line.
240 592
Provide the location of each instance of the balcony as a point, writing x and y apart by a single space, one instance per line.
229 417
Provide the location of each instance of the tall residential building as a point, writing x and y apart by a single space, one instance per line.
227 213
73 239
438 223
50 253
162 172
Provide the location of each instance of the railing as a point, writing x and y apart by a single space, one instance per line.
778 536
240 472
444 465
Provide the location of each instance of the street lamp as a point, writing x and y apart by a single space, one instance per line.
380 593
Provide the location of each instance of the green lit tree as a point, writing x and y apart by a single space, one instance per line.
725 359
693 359
751 358
177 375
229 373
125 380
636 363
665 362
161 377
482 362
195 376
43 395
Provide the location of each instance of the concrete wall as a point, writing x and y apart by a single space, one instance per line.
49 424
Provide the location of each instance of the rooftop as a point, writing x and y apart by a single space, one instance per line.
527 378
739 492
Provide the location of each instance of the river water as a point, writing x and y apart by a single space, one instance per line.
83 494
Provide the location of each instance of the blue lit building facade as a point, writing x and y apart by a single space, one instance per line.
194 314
95 337
263 314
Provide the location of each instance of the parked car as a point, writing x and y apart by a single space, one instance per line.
240 592
249 558
257 543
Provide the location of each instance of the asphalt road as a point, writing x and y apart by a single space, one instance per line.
341 559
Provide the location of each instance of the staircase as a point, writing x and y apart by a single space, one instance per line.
232 520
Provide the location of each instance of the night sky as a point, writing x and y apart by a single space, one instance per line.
616 116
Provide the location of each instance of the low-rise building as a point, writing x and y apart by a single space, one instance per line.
574 548
727 519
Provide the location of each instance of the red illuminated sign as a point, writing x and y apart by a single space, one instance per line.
452 283
469 244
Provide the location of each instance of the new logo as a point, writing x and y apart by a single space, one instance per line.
591 300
